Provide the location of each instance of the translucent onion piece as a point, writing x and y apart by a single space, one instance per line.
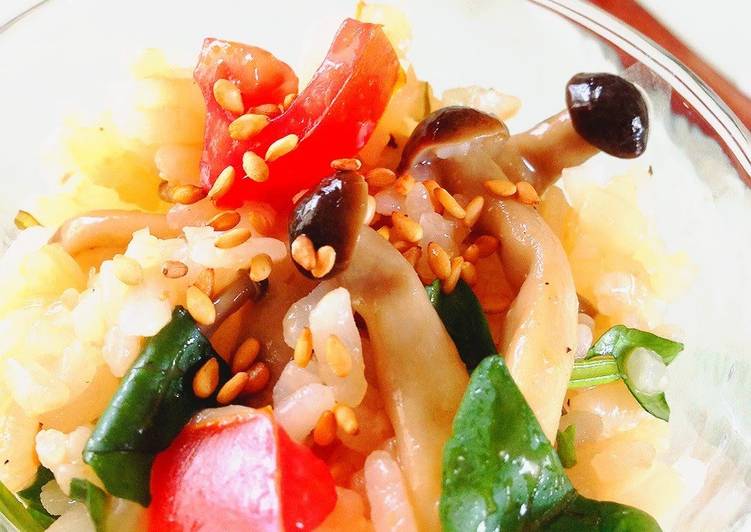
333 316
299 412
298 315
390 508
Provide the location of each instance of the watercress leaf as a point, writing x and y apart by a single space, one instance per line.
501 473
619 340
620 343
31 497
565 446
582 514
153 403
462 315
93 497
16 513
594 371
496 454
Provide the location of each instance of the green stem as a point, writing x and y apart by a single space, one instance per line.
16 513
594 371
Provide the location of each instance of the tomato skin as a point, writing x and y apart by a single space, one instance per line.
261 78
238 472
307 487
333 118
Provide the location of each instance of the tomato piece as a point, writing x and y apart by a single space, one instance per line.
333 118
306 486
237 470
261 78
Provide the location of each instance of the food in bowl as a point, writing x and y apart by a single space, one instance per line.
283 309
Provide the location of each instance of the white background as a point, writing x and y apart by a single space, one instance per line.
720 30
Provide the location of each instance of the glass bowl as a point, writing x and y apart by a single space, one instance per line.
66 57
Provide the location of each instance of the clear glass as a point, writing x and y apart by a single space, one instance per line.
70 57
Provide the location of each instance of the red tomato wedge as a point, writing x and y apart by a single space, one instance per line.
237 470
332 118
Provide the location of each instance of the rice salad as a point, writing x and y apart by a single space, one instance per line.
267 307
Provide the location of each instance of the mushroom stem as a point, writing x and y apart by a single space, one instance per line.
109 228
540 154
234 296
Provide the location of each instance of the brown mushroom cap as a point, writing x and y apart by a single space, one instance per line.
332 214
450 125
609 112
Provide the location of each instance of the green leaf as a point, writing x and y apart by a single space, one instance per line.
16 513
565 446
594 371
620 342
31 497
501 473
153 403
462 315
93 497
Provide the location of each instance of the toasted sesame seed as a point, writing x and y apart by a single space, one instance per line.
288 99
407 228
402 245
174 269
431 186
449 203
426 277
439 261
303 252
200 306
268 109
258 377
205 281
186 194
473 210
24 220
325 260
456 270
228 96
346 419
500 187
303 348
384 231
346 164
487 245
469 273
338 356
224 221
472 253
165 191
233 238
370 210
247 126
380 177
245 355
324 432
223 183
232 388
260 267
527 193
127 270
281 147
403 184
255 167
206 379
413 255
